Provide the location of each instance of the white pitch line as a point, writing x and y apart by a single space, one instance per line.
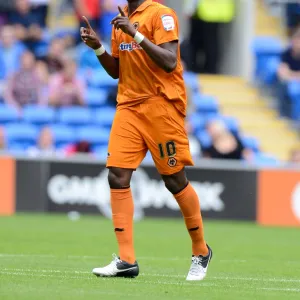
85 256
133 282
282 289
4 255
139 282
89 278
42 275
155 275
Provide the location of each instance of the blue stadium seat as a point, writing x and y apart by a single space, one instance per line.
41 49
16 148
38 115
265 48
263 159
294 94
204 138
268 74
96 97
251 143
105 27
8 114
192 81
208 117
61 33
22 133
197 121
95 135
102 80
205 104
75 116
63 135
105 116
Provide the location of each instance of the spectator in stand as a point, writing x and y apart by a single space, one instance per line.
40 7
90 9
66 88
53 58
224 144
5 8
28 24
43 77
10 52
112 5
45 144
292 16
2 139
206 17
81 147
289 69
24 87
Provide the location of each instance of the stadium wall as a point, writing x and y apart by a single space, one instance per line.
227 191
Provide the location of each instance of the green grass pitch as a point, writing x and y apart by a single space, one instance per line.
50 257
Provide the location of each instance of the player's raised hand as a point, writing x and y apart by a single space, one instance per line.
89 36
122 22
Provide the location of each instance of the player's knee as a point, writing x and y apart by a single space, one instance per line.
119 178
175 183
171 185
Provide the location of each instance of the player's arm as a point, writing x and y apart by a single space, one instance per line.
164 55
90 38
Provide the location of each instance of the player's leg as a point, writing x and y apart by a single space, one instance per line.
188 202
125 152
167 141
122 211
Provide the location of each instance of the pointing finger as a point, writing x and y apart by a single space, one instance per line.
86 21
121 11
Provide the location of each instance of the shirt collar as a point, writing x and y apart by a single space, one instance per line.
141 7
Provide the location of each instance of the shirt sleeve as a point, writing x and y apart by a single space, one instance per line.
165 26
114 44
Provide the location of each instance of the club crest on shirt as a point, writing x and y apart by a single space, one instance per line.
130 46
168 22
172 162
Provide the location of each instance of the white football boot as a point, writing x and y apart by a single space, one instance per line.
118 268
199 266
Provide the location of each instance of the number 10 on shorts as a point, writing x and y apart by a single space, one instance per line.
169 148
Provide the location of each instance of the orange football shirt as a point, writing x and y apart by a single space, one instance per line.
140 78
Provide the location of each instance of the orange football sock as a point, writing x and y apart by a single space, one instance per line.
122 215
188 202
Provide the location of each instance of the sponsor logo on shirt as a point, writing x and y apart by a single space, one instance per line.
130 46
168 22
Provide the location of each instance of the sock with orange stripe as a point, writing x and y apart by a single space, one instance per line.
122 215
188 202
